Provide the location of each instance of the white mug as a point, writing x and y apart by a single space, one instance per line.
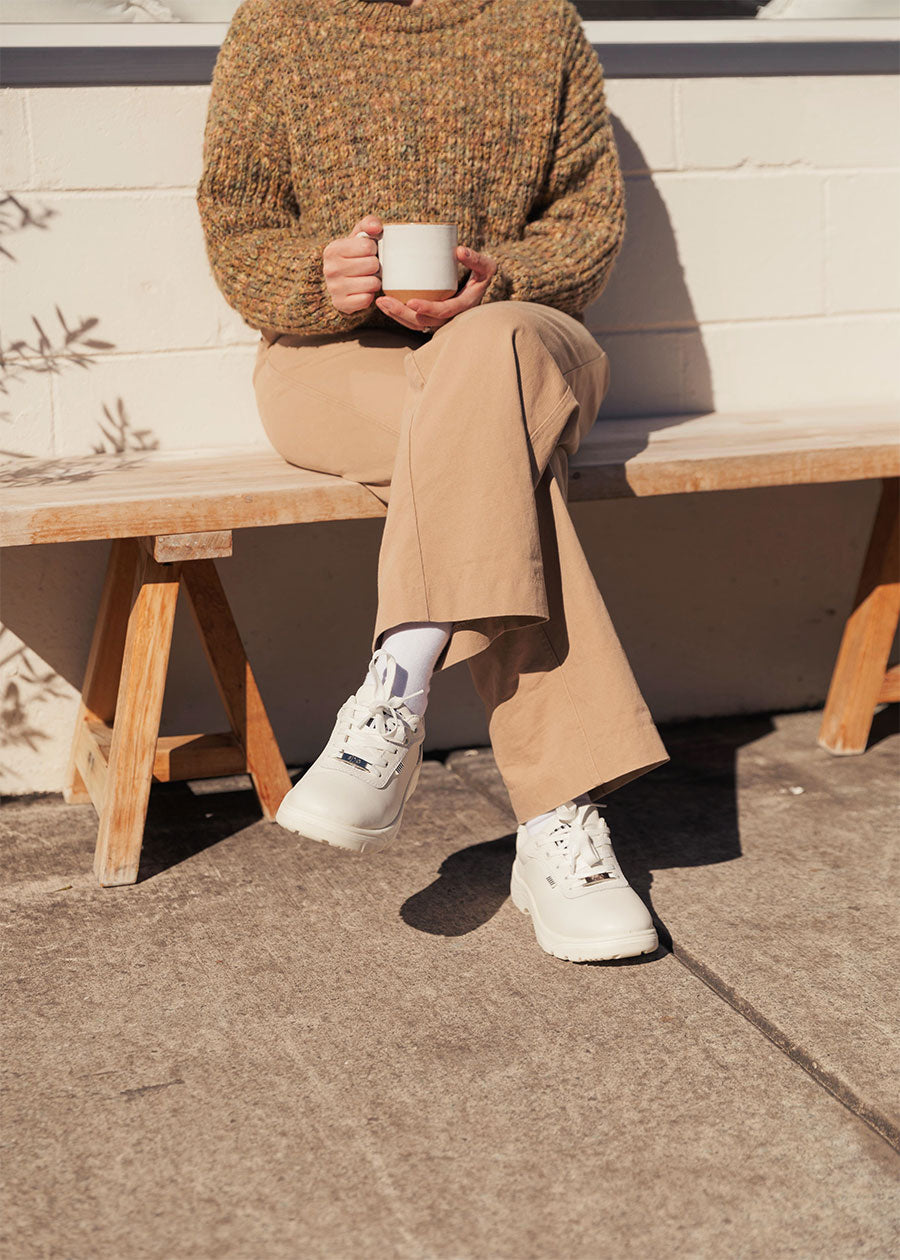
418 260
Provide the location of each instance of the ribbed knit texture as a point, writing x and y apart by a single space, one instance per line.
486 113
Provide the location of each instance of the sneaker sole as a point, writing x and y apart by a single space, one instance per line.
572 950
342 835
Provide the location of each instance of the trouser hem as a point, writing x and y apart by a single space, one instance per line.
530 800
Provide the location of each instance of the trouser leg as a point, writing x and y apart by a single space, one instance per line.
478 534
564 710
466 437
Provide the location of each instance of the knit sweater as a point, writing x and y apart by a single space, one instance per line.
486 113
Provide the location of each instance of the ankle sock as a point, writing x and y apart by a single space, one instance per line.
535 824
415 646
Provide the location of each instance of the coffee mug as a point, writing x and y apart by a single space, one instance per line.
418 260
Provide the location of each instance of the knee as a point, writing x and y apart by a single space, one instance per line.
508 316
488 329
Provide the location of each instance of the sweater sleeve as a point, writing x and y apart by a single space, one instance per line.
265 266
577 225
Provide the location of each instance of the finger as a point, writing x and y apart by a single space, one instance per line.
339 271
361 284
354 302
450 306
483 268
366 266
368 223
402 313
481 265
437 310
351 247
398 311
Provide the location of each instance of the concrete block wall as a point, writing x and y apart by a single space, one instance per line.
761 268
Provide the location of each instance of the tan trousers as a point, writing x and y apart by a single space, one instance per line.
465 436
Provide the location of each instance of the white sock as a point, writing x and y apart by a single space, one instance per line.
535 824
415 646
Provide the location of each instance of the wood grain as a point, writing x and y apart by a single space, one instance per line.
104 664
890 687
236 683
180 757
133 745
168 548
152 492
861 678
91 758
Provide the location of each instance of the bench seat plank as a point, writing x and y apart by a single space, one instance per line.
153 492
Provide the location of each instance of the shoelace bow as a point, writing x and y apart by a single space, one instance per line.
375 722
573 839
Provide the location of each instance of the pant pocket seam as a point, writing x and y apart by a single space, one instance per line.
587 363
565 399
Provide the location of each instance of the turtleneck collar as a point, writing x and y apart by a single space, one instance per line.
431 15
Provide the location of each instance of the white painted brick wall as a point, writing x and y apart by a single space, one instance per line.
761 268
862 242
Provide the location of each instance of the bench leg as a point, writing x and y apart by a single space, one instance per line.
101 678
136 729
861 679
236 684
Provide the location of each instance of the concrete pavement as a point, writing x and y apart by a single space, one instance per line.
267 1048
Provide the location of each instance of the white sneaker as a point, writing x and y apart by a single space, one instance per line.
567 878
354 793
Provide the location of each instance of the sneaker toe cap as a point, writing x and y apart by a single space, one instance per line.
614 912
340 798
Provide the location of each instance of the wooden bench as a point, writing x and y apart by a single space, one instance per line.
170 515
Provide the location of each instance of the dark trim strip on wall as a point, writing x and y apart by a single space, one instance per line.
109 66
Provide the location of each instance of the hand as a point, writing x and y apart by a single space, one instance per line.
419 314
351 268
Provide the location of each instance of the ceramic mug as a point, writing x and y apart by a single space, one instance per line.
418 260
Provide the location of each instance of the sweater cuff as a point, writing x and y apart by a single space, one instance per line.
319 312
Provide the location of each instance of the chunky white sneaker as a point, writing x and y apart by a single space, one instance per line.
568 879
354 793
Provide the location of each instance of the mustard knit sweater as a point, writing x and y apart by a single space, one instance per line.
486 113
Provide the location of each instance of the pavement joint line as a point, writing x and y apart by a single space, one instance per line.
879 1123
874 1119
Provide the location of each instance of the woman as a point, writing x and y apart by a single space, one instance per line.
327 119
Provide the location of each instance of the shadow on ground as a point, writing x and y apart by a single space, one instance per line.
682 814
182 823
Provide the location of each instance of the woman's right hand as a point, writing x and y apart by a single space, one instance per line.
351 268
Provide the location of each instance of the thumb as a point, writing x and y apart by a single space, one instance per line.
369 223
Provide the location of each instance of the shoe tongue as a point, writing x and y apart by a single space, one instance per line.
585 838
586 815
378 685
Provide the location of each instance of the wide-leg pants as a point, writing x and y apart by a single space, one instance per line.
465 436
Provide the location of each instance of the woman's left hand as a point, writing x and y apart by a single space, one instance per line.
419 314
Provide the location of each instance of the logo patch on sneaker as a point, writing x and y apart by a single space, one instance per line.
357 761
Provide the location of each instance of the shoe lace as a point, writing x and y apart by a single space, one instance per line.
376 729
582 840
